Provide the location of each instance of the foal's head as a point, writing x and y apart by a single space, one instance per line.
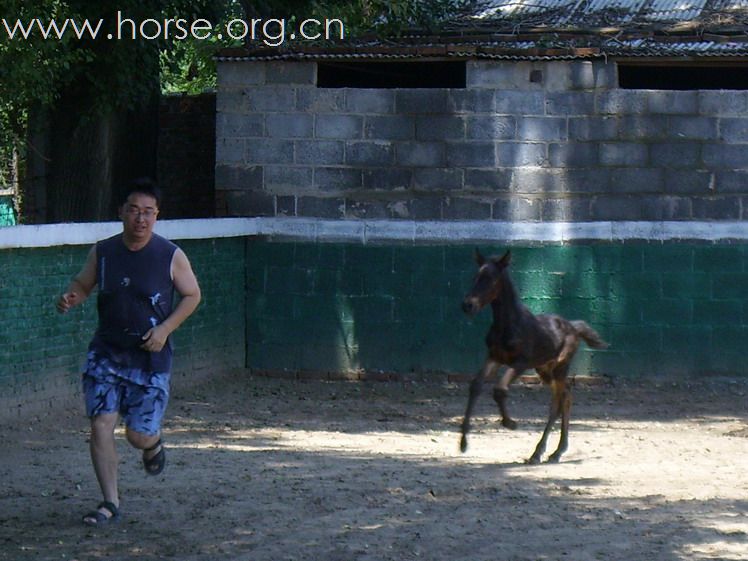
488 283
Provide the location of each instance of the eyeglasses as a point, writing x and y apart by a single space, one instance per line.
146 213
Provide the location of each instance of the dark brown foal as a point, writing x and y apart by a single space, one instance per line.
521 340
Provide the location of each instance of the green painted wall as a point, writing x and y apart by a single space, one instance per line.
41 351
666 309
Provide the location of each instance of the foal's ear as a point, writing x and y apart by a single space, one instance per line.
506 260
479 259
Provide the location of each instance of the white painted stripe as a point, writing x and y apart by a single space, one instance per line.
383 231
200 229
50 235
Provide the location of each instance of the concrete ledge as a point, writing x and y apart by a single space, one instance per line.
382 231
385 231
50 235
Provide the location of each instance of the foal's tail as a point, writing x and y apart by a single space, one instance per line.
590 336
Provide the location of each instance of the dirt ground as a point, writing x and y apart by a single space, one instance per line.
266 469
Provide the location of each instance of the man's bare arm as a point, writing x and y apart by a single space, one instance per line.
81 286
188 288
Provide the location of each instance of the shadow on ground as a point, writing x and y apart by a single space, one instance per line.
263 469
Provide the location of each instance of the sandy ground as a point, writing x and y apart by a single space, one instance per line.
268 469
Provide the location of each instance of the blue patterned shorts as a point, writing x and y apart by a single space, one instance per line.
139 396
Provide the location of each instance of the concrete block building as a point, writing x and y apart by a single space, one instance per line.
606 142
634 121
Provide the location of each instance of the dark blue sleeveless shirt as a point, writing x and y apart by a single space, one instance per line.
136 292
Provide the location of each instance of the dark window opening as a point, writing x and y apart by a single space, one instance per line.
431 74
682 77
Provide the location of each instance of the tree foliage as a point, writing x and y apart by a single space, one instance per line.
36 70
29 70
108 73
387 19
75 81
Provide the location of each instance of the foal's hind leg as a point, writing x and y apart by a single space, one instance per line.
563 443
489 368
558 399
500 393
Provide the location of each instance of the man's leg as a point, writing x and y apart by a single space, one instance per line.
144 442
102 393
154 454
104 457
144 411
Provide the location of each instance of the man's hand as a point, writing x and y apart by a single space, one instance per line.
67 301
155 339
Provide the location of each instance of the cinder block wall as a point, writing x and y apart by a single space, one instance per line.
42 352
571 146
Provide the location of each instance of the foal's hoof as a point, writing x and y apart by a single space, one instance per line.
509 423
533 460
463 444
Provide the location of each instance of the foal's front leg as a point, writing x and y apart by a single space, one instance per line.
489 368
500 393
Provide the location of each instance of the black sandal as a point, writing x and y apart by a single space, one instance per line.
97 518
155 464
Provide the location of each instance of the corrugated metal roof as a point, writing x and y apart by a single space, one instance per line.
566 11
615 12
556 29
644 47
